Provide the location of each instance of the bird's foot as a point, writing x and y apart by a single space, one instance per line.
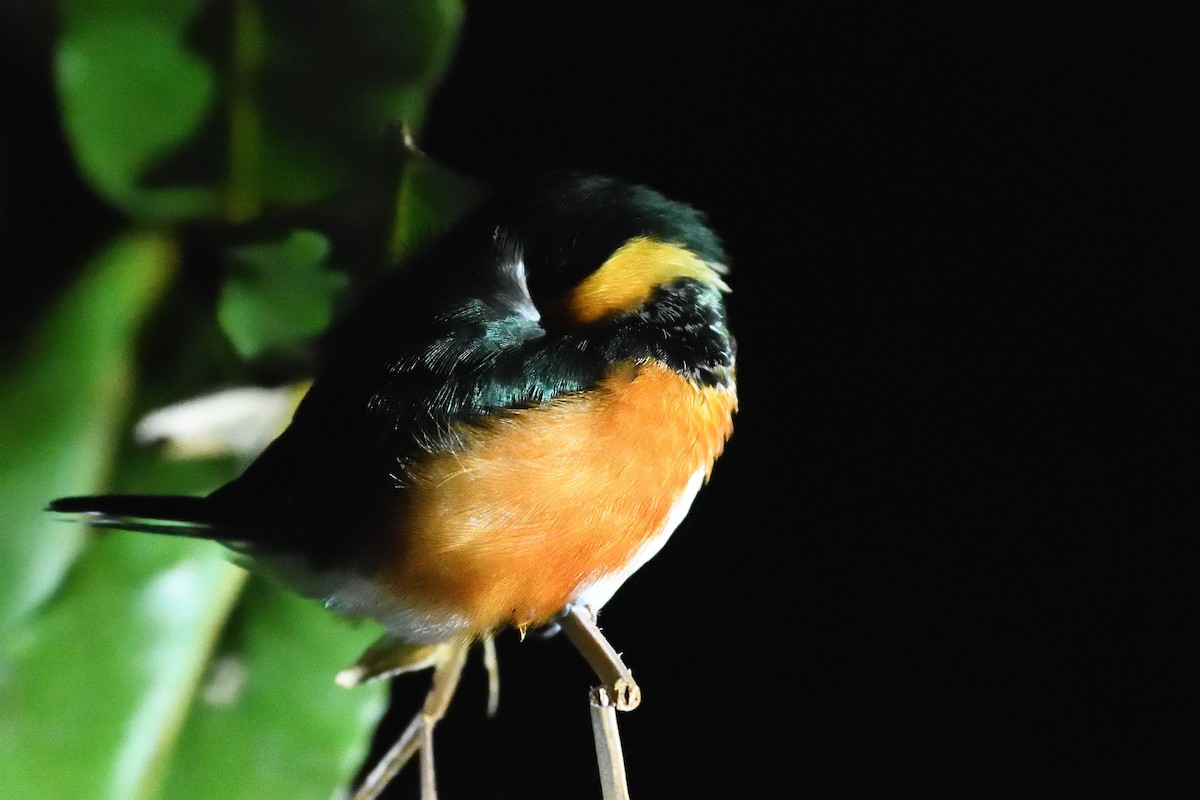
616 679
418 736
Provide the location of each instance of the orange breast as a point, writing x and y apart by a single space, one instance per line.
543 502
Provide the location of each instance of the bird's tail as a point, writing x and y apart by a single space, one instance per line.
167 514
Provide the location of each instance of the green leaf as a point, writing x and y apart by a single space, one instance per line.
131 93
325 113
178 109
279 293
62 408
144 676
429 199
270 721
139 645
93 694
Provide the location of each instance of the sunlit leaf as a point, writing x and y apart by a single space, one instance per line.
64 402
240 421
270 722
93 693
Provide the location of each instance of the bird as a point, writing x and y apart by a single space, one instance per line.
498 433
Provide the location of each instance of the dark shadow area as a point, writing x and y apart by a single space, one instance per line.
923 568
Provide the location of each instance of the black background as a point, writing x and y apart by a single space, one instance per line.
937 559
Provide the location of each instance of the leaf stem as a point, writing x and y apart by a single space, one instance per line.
243 198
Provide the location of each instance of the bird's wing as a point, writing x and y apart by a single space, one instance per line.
367 422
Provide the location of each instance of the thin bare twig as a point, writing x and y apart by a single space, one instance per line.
609 757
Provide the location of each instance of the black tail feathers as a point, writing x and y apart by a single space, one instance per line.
169 514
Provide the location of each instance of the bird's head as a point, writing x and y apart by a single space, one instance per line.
593 249
594 269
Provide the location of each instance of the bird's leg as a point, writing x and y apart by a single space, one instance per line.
580 626
392 762
445 681
419 733
492 665
618 691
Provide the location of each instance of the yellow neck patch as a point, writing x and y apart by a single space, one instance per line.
631 275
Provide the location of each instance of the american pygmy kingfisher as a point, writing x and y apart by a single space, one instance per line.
498 434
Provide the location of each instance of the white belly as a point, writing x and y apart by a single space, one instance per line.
599 592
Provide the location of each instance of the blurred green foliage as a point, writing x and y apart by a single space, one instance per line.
63 406
278 292
258 141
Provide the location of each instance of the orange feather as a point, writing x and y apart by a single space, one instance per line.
540 503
